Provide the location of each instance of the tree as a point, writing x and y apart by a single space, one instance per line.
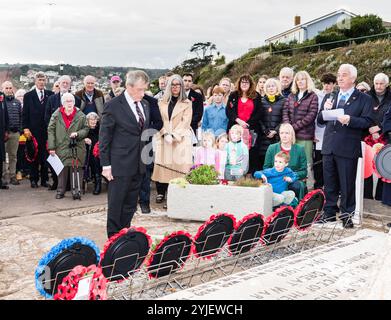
367 25
202 48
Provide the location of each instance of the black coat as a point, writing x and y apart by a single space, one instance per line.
3 127
120 143
231 111
345 141
198 109
54 102
156 118
34 114
386 124
380 108
271 118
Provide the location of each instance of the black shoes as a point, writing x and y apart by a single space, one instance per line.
3 187
347 223
45 184
145 208
14 182
98 185
59 196
34 185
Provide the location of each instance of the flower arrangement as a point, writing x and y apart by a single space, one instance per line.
181 182
67 290
203 175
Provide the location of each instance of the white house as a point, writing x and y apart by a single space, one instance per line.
309 30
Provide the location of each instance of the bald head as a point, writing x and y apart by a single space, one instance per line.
8 88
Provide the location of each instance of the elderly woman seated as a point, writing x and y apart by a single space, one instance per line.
297 162
67 124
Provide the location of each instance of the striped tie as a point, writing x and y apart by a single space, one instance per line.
140 116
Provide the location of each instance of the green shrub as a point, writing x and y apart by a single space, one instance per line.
204 175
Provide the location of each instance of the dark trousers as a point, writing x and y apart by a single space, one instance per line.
339 176
318 169
368 189
122 198
145 190
39 168
1 172
63 179
21 162
161 188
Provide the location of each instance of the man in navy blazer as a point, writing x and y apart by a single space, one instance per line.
34 104
342 145
124 119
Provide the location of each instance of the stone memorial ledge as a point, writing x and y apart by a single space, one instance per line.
356 267
199 202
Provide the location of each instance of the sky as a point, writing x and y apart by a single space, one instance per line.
150 34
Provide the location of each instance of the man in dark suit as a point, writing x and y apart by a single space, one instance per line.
3 135
196 99
124 119
342 145
34 103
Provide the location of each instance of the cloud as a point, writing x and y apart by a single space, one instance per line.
150 33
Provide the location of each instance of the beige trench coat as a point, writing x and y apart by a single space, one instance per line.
178 155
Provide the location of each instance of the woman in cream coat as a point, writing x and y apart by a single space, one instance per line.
173 149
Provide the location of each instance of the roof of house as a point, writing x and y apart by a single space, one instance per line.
305 25
387 24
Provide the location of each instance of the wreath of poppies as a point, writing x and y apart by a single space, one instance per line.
31 149
67 290
201 246
53 254
181 243
312 203
95 150
247 234
277 225
117 236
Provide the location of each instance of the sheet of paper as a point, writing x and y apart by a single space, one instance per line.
83 291
56 163
333 114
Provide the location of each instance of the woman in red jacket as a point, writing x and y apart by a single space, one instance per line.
244 108
300 110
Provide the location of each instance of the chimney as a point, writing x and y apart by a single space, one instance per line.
297 20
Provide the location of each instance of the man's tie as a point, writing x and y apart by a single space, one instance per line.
140 116
41 97
341 102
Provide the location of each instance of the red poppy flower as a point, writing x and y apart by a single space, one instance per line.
192 99
296 104
1 98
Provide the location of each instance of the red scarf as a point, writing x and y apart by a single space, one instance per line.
67 119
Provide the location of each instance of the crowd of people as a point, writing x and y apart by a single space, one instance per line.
271 129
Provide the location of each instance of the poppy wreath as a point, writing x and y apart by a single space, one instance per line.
161 244
377 147
301 205
203 227
95 151
243 221
270 219
67 290
118 235
53 253
31 149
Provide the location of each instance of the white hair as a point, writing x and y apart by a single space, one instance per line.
5 83
352 69
382 77
92 115
67 95
134 76
64 77
88 77
287 70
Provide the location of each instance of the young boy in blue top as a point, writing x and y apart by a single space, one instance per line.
279 177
